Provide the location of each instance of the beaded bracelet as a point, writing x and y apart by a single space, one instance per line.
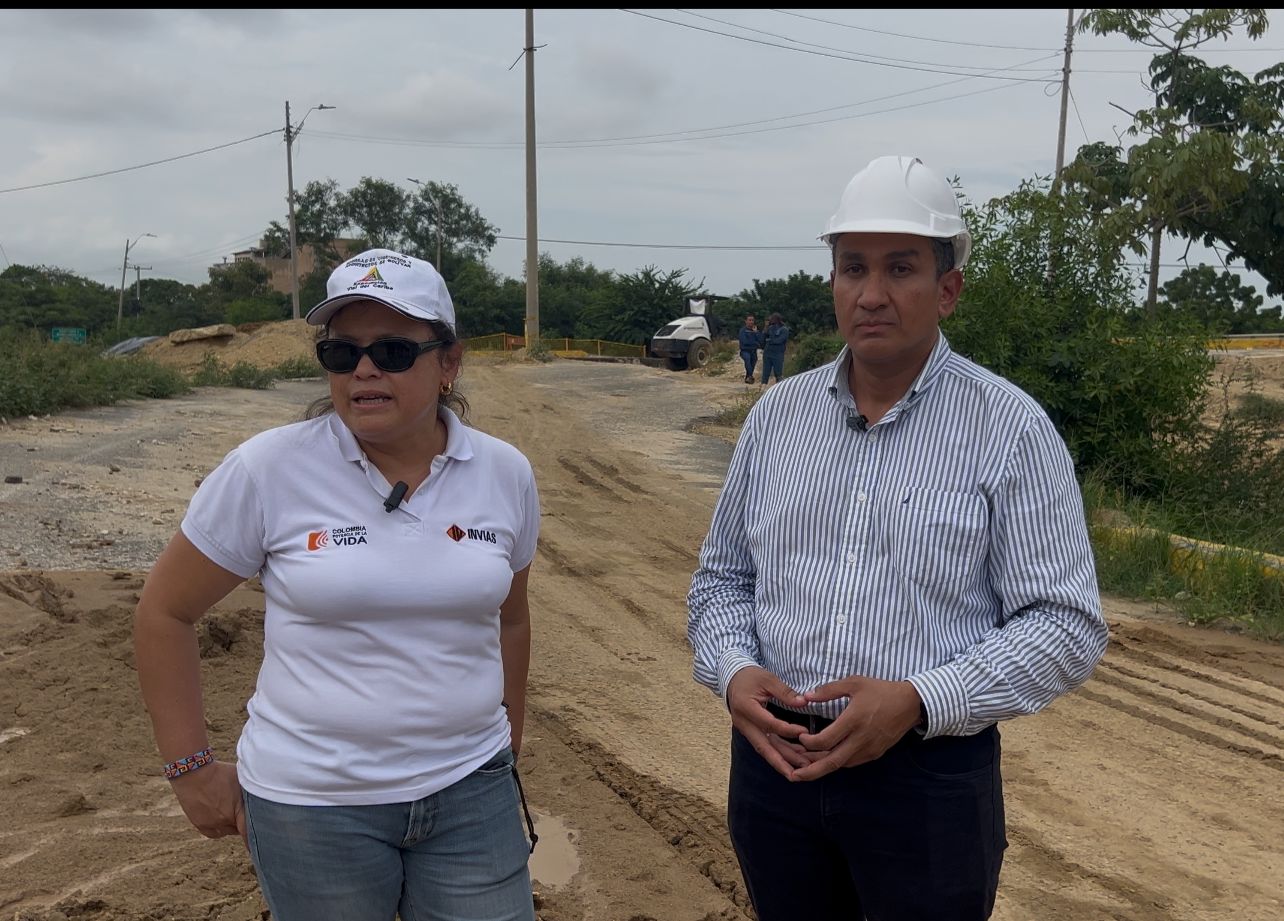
187 765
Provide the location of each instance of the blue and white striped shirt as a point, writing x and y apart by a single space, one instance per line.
946 545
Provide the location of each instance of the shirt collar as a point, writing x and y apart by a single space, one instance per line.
840 387
459 444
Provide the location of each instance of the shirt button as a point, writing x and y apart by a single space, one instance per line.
851 557
842 619
873 436
860 497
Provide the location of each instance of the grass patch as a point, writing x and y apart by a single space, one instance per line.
297 368
213 373
735 414
720 358
49 377
1137 557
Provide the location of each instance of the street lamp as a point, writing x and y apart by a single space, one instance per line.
291 132
120 307
436 204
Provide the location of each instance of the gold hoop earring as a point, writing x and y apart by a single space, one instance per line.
447 388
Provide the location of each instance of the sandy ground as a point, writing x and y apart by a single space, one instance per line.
1152 793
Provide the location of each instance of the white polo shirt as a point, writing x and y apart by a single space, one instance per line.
381 680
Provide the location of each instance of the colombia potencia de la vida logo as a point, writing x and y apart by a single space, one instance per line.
356 534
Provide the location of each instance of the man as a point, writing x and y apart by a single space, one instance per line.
749 340
774 338
898 560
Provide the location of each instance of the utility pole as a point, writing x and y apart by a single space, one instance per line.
138 282
1065 101
294 250
124 266
532 224
290 134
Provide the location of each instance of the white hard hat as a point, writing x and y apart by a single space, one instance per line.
901 195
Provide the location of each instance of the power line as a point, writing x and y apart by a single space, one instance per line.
412 142
1079 115
921 38
850 56
747 247
842 50
126 169
946 41
776 118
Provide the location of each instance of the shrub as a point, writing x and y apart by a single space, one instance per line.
1123 395
812 351
48 377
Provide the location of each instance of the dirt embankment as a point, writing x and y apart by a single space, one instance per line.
1152 794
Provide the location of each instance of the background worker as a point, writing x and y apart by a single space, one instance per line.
774 338
750 342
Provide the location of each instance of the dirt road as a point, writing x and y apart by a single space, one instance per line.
1152 793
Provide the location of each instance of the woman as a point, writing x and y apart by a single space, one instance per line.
375 773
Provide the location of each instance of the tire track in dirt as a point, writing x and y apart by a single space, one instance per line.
695 829
1062 874
1117 704
613 472
1194 694
584 478
589 579
1173 654
1141 688
1245 685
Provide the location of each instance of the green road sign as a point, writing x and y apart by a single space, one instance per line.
74 334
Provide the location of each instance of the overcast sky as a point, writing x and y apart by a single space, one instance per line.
686 136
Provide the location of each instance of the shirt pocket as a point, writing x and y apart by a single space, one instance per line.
937 537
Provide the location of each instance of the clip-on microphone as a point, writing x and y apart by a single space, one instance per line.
394 498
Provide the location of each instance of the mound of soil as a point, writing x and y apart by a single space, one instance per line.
264 345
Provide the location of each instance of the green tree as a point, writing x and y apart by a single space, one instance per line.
1124 396
1218 301
169 305
319 220
567 291
1185 169
235 280
639 304
377 208
438 219
42 297
805 301
240 293
485 302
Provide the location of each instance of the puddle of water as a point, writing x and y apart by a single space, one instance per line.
16 732
555 859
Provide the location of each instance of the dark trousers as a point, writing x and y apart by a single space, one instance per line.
917 835
750 358
772 363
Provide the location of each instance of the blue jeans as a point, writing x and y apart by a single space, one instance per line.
750 358
916 834
772 363
457 855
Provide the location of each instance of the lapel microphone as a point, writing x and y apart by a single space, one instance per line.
394 498
855 421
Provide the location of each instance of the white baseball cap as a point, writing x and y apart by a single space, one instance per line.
408 285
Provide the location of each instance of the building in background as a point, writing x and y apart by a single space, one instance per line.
278 267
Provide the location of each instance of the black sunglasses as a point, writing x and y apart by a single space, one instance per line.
394 354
